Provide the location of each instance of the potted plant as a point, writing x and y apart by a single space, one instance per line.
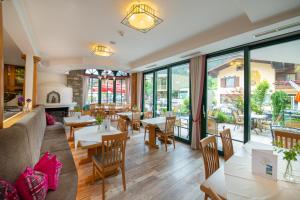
99 121
77 112
290 155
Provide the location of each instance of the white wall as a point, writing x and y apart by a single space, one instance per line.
48 77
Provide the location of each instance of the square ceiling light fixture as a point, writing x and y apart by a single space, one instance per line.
141 17
101 50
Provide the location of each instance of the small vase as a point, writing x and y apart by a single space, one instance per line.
288 174
99 128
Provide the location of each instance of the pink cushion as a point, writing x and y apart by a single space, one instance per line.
51 166
50 119
32 185
8 191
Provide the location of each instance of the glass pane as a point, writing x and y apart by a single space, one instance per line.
104 91
181 99
93 90
275 83
123 92
225 95
110 91
119 91
148 92
162 92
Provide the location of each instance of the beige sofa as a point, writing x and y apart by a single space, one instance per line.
26 141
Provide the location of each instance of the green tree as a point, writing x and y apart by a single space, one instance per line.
212 83
258 97
279 104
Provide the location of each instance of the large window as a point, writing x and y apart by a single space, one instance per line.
180 102
93 86
161 92
107 86
277 82
254 90
225 95
168 89
148 92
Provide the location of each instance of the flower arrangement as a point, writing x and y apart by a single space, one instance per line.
289 155
99 120
21 101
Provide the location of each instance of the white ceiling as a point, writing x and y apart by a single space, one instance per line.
63 30
12 54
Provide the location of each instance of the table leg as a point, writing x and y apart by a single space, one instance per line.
152 137
91 152
71 136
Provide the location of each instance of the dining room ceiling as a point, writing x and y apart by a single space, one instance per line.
63 30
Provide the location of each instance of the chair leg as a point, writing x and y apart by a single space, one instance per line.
123 178
103 188
93 178
145 134
206 197
174 141
166 140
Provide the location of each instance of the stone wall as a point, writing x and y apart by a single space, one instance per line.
75 81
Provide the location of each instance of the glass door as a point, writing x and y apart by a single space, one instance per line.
180 103
161 92
148 92
225 96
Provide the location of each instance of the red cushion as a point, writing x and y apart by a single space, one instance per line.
50 119
51 166
32 185
8 191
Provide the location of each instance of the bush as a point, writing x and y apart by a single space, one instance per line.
221 117
279 104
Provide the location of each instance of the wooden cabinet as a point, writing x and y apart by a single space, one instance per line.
14 77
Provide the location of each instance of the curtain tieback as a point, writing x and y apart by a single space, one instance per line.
197 120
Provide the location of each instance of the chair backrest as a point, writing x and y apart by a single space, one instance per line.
227 143
288 140
93 106
136 116
113 149
212 126
210 155
170 124
148 115
212 194
122 125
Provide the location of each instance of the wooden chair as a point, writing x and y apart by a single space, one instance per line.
112 111
147 115
136 121
227 143
212 126
168 132
209 149
239 121
111 157
212 194
122 125
288 140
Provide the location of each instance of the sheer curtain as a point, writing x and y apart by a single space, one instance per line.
85 90
197 70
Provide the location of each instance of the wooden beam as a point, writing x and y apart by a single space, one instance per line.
1 70
36 60
134 89
34 92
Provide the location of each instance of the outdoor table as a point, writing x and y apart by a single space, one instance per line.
235 180
75 122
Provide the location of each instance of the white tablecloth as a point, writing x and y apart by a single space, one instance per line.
82 119
91 134
242 184
160 122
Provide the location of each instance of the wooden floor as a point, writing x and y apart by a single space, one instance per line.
150 174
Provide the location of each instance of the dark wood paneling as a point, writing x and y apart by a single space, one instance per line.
1 69
133 89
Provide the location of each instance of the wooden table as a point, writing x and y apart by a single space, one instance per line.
153 124
89 138
75 122
235 180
